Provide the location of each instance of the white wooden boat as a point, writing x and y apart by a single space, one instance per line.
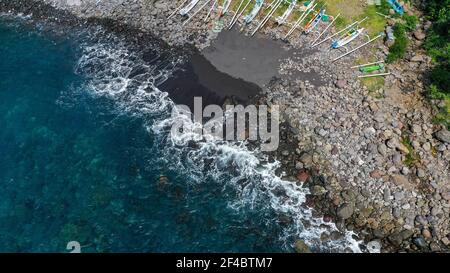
282 19
258 5
184 11
351 35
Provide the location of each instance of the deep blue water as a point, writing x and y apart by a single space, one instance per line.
72 167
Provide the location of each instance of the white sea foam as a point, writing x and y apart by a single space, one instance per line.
110 66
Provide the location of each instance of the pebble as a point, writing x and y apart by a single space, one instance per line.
420 173
377 174
303 176
426 233
420 242
398 196
405 170
387 195
374 247
345 211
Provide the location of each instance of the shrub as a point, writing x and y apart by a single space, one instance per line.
398 49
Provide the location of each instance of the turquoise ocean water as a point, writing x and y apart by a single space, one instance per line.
85 156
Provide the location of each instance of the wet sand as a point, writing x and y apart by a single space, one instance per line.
254 59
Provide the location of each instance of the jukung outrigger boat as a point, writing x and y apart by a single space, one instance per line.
249 17
224 8
396 6
351 35
189 7
282 19
314 21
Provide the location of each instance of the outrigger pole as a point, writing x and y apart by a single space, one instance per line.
210 11
195 13
374 75
177 9
337 33
266 19
300 20
325 30
240 14
353 50
362 65
237 12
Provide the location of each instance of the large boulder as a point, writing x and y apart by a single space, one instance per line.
345 211
443 135
419 35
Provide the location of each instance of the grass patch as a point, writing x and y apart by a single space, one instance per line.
375 23
443 116
412 158
438 47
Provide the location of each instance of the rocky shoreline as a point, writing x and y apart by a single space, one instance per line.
373 159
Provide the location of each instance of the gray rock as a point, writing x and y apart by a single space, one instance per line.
382 149
441 148
306 159
405 170
299 165
420 173
401 180
426 146
419 35
393 143
399 196
443 135
345 211
341 84
420 242
318 190
446 195
369 132
416 129
421 220
302 247
397 158
417 58
374 247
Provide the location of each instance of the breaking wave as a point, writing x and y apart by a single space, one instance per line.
119 74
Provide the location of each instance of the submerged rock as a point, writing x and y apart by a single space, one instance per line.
302 247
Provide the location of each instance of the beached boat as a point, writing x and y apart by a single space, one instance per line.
249 17
314 21
396 6
224 7
282 19
351 35
189 7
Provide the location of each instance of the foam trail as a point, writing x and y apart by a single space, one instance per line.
117 73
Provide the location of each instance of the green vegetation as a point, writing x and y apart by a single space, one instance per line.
438 47
412 158
411 22
398 49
